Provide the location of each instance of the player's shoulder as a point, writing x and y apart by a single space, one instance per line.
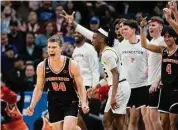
108 52
89 46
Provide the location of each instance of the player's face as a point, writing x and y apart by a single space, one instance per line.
96 42
54 50
154 29
121 28
127 32
118 31
78 37
169 40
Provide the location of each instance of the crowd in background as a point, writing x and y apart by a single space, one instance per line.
26 26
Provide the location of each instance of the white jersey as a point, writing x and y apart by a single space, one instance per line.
135 63
110 60
154 61
87 58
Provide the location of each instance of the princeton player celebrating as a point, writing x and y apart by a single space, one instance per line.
119 92
169 76
59 74
154 71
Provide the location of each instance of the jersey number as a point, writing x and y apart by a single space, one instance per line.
168 69
60 86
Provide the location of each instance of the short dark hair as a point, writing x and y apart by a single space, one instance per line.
119 21
131 23
55 39
157 19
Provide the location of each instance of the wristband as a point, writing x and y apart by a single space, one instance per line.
102 82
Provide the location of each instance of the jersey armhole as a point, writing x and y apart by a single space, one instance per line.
44 66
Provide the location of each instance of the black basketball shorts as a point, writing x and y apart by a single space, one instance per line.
59 110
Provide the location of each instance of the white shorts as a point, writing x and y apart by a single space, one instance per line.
122 98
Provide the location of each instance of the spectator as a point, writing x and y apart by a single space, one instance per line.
4 42
46 12
7 60
16 37
16 79
30 76
34 5
68 50
41 40
94 24
60 22
8 14
70 8
32 24
31 51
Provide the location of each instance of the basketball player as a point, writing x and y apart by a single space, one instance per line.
154 71
169 76
119 92
59 74
86 57
134 60
11 117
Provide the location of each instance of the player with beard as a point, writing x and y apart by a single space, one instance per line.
169 77
60 75
119 92
86 57
154 71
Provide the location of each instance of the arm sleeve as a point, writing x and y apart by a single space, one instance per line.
84 31
94 66
109 59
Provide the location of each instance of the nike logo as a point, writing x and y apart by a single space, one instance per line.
48 71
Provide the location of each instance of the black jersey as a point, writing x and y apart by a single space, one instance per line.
169 73
60 85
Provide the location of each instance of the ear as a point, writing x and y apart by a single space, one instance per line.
161 27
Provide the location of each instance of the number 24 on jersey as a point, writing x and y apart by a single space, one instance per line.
58 86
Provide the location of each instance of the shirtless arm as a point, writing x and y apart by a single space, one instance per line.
38 89
75 70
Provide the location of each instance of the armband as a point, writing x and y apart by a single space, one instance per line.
102 82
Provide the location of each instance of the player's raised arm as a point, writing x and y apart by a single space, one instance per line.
38 89
78 28
144 42
75 70
172 23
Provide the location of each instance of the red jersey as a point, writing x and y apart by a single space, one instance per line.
16 122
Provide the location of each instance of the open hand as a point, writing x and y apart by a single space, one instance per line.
167 14
68 18
172 6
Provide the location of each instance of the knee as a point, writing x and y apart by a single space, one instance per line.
165 121
173 122
134 117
